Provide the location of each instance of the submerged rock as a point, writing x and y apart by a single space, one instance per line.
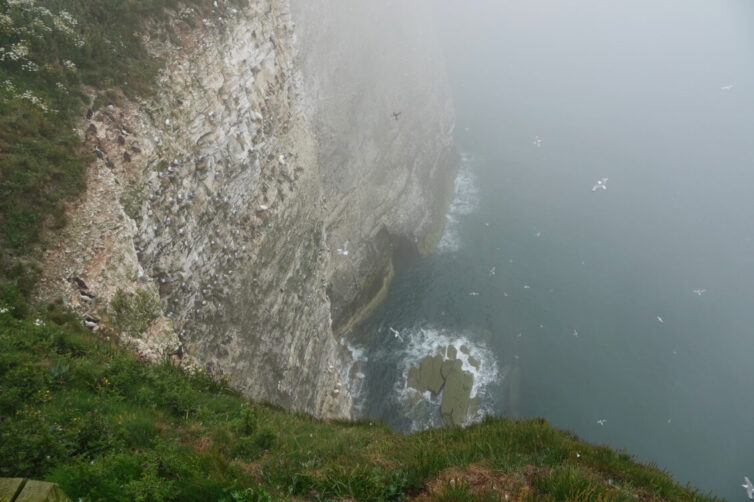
428 375
456 396
443 373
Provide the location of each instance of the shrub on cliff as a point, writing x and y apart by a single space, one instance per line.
132 313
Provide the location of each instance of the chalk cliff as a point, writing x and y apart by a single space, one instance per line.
259 195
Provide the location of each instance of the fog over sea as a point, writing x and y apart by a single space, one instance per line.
586 307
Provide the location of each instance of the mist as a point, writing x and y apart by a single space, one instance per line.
587 298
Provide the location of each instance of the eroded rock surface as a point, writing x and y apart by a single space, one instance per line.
262 215
443 373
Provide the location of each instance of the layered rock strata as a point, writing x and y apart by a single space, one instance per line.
216 197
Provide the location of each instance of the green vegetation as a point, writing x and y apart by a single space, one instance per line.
134 312
106 425
50 51
132 198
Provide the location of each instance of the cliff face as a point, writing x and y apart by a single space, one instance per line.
387 178
216 196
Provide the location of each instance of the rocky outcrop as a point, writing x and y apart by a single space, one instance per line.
443 374
258 215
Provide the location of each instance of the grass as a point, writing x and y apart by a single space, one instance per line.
50 52
106 425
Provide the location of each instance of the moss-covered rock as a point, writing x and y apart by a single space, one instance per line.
456 396
443 373
428 375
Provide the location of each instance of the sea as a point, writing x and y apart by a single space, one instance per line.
624 314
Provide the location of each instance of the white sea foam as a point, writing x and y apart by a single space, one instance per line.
352 372
422 408
465 201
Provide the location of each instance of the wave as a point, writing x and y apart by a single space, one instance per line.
465 202
352 372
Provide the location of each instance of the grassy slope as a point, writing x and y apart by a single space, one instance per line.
106 425
50 50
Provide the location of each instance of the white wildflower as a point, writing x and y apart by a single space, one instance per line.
42 11
39 25
38 322
22 3
30 66
16 52
28 96
20 49
61 26
68 18
3 310
6 22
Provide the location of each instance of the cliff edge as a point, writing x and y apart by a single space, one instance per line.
243 217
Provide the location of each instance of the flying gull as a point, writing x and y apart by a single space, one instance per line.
699 292
396 333
537 142
601 183
727 88
749 488
660 319
602 421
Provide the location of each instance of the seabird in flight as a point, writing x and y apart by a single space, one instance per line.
396 333
749 487
601 183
